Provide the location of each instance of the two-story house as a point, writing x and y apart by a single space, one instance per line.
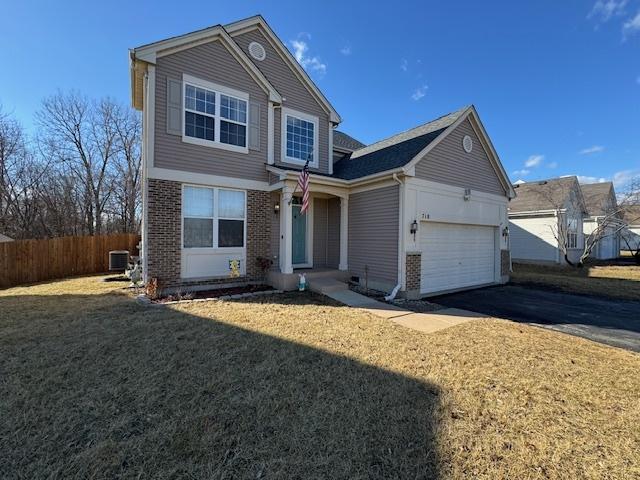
230 118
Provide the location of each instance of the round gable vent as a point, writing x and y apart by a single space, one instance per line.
467 144
257 51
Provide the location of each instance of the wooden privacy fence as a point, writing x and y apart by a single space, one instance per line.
27 261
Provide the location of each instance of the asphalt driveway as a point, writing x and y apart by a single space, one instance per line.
609 321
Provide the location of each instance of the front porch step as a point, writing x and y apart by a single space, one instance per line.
325 285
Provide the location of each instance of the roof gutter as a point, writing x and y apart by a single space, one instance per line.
323 180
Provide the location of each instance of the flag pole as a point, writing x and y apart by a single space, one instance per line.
306 167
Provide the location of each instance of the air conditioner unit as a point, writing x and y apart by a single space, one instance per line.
118 260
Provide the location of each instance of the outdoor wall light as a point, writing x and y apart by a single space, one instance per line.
414 229
276 208
505 232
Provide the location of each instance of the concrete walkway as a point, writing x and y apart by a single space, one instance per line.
424 322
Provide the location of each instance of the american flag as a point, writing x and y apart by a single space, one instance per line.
303 183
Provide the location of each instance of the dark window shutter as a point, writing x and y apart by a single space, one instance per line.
254 126
174 107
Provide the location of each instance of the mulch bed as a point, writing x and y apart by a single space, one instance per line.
215 293
418 306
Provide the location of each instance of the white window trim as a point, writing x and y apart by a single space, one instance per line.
217 89
283 136
216 217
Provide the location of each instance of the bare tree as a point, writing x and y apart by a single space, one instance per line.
127 171
630 209
81 136
615 219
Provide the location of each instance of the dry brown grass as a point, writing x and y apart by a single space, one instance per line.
615 281
94 385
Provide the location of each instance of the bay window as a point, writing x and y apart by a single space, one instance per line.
299 137
214 115
213 217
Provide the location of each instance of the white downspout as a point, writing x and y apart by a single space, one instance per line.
395 290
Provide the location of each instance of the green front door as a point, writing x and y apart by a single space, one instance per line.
299 236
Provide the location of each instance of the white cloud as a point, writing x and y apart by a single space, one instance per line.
533 161
604 10
622 178
631 26
404 65
587 179
590 150
346 50
420 92
553 165
300 52
522 173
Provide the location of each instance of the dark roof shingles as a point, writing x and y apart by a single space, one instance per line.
346 142
596 196
542 195
388 158
395 151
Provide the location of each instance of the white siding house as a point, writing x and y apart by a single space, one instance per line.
539 215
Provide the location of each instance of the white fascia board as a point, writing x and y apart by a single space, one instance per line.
287 174
412 163
536 213
248 24
206 179
150 53
492 154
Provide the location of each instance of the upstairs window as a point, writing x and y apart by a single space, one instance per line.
214 115
299 138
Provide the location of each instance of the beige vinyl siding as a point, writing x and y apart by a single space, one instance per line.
373 234
333 233
211 62
320 215
448 163
326 232
293 90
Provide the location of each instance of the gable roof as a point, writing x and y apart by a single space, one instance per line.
147 54
631 214
395 151
258 21
596 196
543 195
343 141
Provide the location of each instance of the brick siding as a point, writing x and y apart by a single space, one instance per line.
164 231
414 261
164 219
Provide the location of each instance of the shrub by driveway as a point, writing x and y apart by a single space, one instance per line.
96 386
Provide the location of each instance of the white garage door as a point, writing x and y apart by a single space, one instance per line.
456 256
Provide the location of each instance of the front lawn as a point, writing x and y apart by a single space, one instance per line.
94 385
615 281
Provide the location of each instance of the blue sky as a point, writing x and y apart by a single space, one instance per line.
557 84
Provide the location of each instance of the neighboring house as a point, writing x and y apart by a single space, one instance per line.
541 211
4 238
630 240
230 118
600 200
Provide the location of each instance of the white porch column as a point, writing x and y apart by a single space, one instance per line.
344 232
286 219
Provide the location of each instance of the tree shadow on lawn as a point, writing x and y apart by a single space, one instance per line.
119 390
